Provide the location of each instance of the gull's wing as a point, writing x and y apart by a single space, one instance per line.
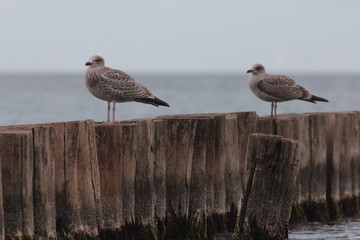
123 85
282 88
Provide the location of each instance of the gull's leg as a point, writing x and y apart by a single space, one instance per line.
272 109
275 109
108 112
113 111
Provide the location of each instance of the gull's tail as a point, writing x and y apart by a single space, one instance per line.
318 99
153 101
315 99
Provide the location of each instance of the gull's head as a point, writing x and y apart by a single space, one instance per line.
95 61
256 69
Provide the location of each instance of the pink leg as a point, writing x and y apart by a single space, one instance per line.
275 109
108 112
113 111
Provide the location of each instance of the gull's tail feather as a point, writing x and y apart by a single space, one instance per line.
315 99
318 99
153 101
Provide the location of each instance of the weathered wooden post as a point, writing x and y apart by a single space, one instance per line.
343 163
128 172
247 124
272 167
144 187
109 151
197 191
17 184
77 179
215 176
233 177
144 178
178 173
217 213
160 148
350 157
44 182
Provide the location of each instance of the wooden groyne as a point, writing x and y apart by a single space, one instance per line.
272 167
169 177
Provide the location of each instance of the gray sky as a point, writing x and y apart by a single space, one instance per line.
181 36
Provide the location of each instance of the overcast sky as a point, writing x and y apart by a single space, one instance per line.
204 36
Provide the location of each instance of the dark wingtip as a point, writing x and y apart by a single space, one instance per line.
318 99
161 102
153 101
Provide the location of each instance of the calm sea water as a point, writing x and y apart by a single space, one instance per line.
36 98
345 229
40 98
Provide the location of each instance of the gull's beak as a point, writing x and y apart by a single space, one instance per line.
249 71
88 63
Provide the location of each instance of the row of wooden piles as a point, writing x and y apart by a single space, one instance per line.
165 178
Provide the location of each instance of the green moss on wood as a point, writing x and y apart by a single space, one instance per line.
197 227
23 237
153 232
297 214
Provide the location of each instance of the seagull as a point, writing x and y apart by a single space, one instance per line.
277 88
116 86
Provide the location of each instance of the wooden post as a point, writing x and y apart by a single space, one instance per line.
233 178
17 216
197 191
333 144
78 182
44 182
219 210
215 174
60 186
178 172
139 180
144 188
247 124
343 164
160 148
108 143
128 172
210 161
272 166
316 206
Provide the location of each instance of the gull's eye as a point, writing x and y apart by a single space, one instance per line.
98 60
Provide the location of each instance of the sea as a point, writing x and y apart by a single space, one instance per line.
41 98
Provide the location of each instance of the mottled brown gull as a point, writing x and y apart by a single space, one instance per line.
116 86
277 88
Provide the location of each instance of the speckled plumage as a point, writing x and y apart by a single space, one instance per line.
115 86
277 88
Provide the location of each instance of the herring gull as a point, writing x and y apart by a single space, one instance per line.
116 86
277 88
